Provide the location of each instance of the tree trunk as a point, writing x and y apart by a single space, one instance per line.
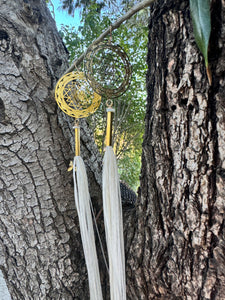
41 255
178 248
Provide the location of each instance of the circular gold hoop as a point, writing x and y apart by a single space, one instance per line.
75 97
107 69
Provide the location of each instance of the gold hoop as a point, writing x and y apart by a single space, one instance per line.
107 69
75 97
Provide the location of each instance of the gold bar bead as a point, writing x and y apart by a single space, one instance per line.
77 140
108 139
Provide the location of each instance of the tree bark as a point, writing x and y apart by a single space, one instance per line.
40 250
177 251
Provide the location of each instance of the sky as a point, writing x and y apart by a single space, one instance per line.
62 17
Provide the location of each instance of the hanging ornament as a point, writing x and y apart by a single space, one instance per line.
108 70
76 98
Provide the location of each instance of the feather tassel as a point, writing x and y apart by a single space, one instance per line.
82 200
112 208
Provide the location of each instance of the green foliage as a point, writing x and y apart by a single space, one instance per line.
200 14
130 107
129 168
92 25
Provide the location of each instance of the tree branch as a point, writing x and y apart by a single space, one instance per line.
115 25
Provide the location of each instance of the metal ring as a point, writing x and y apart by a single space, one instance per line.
107 69
75 97
109 103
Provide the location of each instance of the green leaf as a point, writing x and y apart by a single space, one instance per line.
200 14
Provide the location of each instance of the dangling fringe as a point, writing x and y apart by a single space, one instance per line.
82 200
112 208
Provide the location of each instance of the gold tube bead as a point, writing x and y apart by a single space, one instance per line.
108 138
77 139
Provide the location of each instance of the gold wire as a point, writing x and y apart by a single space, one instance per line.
72 100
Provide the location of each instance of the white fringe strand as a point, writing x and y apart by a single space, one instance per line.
82 200
112 208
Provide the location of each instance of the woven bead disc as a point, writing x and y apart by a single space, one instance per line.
75 97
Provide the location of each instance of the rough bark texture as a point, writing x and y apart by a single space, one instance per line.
179 245
40 251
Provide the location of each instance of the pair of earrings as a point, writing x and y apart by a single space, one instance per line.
107 70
